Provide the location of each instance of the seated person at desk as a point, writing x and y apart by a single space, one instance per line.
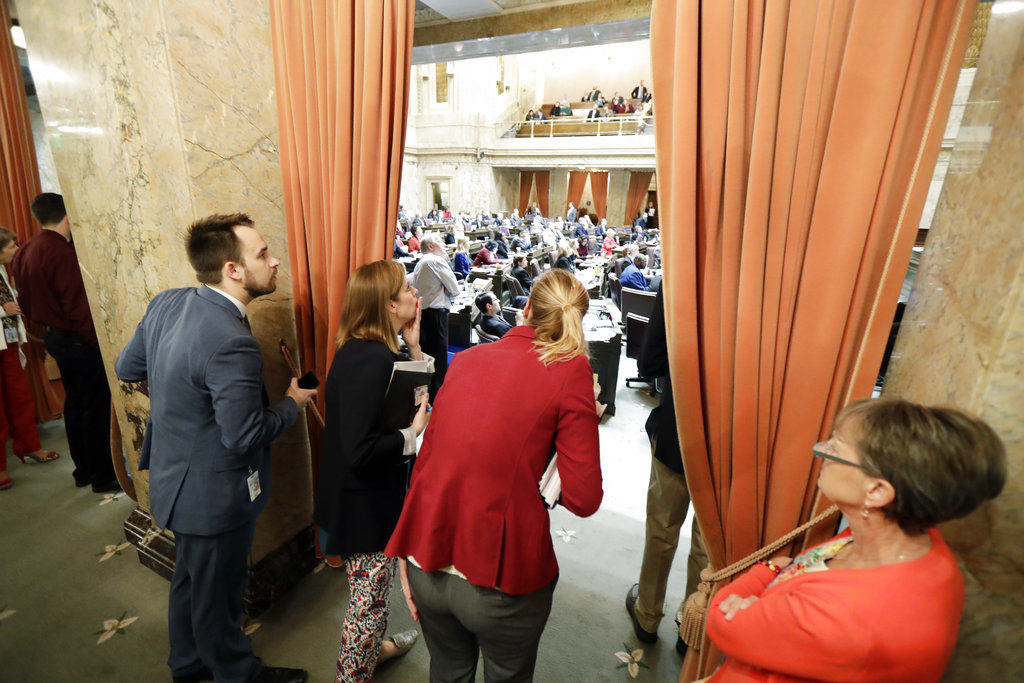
399 249
500 246
520 273
639 237
449 234
566 260
414 240
490 320
581 246
462 264
601 228
610 243
484 257
548 237
523 242
580 231
632 277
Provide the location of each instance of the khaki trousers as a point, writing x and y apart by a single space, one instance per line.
667 502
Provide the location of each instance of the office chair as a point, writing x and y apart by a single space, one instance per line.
636 327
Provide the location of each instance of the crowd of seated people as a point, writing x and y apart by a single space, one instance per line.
599 107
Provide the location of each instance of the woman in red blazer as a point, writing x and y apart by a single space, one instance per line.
474 528
882 600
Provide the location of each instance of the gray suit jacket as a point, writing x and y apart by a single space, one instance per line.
210 423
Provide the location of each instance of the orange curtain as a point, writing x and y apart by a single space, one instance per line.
525 185
804 205
599 187
639 182
543 180
574 193
19 184
342 73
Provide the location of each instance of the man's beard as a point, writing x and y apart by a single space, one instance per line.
255 290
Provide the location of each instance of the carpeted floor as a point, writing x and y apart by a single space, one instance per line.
58 586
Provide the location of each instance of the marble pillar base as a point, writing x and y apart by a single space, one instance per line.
269 579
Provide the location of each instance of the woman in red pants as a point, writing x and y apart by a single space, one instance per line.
17 413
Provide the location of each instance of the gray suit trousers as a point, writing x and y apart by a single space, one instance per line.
460 621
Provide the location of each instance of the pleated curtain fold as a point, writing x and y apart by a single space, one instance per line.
19 184
342 75
574 190
543 180
525 186
599 188
795 147
636 195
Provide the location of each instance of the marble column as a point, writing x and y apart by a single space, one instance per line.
962 340
159 113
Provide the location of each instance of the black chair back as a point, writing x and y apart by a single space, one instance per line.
636 301
615 289
636 327
535 269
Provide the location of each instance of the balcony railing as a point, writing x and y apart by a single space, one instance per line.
570 126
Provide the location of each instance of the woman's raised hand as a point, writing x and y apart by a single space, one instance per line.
411 330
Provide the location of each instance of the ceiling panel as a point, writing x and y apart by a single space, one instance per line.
460 10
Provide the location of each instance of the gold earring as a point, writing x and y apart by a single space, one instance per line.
865 512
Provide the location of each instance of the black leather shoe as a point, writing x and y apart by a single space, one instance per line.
681 646
203 674
279 674
108 487
642 635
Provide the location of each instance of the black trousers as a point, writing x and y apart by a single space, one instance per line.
204 615
86 404
460 621
434 341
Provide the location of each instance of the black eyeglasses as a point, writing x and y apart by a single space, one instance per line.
824 449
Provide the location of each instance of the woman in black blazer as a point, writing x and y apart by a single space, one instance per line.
365 468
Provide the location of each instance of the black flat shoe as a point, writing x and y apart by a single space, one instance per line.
204 674
279 674
107 487
642 635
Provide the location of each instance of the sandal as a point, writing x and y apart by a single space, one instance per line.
49 456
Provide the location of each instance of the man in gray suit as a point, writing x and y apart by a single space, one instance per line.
207 443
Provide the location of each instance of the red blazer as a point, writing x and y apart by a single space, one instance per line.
891 623
473 502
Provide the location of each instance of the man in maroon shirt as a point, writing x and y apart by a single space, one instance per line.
51 292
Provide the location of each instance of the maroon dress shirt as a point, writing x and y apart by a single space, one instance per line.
50 287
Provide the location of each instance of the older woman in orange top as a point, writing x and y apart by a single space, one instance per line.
882 600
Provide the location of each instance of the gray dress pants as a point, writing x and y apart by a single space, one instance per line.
461 621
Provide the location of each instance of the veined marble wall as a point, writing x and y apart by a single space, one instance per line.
961 341
159 113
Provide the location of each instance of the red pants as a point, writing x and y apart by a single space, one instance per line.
17 411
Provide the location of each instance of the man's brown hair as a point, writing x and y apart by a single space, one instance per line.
211 242
48 208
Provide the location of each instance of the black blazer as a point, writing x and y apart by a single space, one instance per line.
449 238
363 474
524 278
653 362
494 325
565 263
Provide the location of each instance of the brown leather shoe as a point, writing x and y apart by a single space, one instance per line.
642 635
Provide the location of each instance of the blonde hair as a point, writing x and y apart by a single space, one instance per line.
462 244
365 315
558 302
564 249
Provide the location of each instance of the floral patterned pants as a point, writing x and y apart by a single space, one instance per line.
369 581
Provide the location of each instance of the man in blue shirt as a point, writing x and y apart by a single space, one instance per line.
631 275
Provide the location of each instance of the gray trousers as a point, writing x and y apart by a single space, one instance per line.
460 621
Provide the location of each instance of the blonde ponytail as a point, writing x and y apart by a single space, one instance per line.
558 303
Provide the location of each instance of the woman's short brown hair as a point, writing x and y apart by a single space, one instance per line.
365 315
941 462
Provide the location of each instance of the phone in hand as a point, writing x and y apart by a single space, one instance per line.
309 381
